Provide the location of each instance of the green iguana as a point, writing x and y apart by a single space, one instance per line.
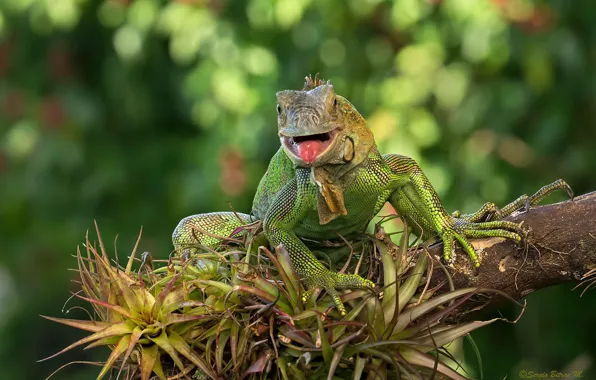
328 178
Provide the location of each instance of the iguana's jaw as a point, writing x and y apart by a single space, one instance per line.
311 150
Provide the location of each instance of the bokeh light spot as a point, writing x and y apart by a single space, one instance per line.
405 90
515 151
451 86
378 51
305 35
21 139
205 113
363 8
260 13
63 13
128 42
538 69
423 128
172 17
519 10
142 13
406 13
384 124
184 47
332 52
111 14
289 12
259 61
230 89
420 59
482 142
225 52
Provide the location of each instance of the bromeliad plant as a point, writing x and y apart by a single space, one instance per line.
238 313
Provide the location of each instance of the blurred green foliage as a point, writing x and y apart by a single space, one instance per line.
142 112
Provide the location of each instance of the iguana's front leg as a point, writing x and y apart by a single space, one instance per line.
489 210
417 201
290 206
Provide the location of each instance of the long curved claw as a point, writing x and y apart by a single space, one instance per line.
548 189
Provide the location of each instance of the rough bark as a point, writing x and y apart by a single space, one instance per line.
560 248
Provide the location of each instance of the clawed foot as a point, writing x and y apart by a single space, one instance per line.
487 222
331 282
461 230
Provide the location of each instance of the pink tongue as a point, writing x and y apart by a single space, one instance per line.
310 150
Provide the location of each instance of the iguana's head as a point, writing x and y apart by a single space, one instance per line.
318 127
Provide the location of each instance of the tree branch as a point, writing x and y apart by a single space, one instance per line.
560 248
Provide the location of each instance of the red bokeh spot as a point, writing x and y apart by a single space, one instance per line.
14 105
4 58
52 113
232 179
60 63
542 19
500 3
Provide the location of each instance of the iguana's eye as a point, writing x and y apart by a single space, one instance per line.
278 109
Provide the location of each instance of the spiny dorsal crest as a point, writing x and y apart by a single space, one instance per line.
311 83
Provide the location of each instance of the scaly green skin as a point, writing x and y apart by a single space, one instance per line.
298 200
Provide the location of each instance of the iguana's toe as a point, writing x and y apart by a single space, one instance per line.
331 282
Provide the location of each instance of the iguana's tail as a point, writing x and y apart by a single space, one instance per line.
207 230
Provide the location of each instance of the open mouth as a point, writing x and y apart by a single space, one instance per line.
310 147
